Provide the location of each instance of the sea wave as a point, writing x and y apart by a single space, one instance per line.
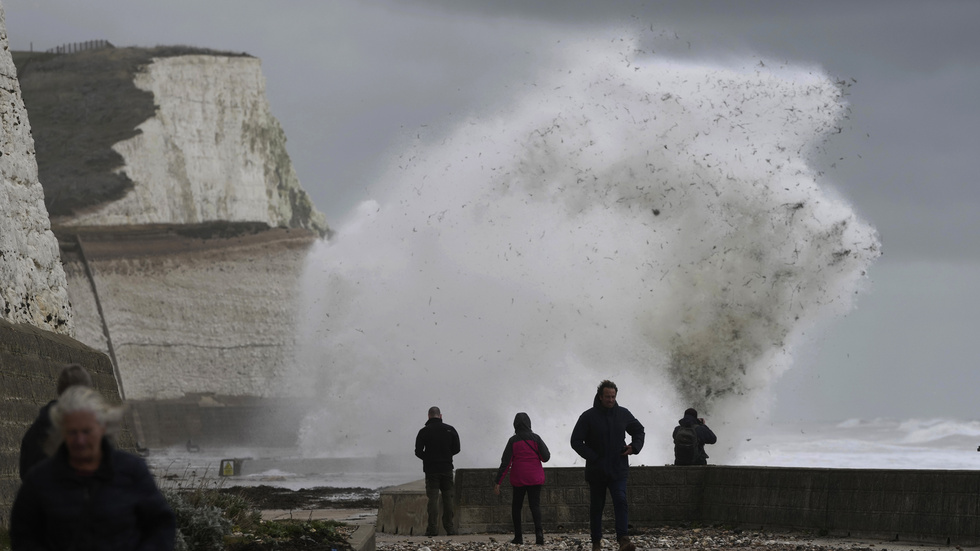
876 443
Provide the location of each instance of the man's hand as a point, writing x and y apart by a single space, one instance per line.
627 450
496 489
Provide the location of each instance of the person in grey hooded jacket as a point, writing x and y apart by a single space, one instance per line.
523 457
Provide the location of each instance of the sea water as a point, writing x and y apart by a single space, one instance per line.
933 444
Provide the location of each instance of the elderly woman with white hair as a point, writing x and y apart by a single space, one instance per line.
90 495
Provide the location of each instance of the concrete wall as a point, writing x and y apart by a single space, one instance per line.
403 510
30 360
214 421
908 505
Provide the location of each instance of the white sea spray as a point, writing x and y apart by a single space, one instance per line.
654 222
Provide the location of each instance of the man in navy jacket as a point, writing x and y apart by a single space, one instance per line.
599 437
435 445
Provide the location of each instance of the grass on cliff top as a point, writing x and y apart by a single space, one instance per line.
79 105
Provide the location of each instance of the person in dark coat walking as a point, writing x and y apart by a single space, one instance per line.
435 445
691 453
523 457
40 440
599 437
89 495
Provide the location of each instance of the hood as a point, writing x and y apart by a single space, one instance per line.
522 422
688 421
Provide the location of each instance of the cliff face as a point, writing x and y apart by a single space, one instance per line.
176 137
33 288
189 309
213 151
182 225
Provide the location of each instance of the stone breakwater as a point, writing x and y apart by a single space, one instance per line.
659 538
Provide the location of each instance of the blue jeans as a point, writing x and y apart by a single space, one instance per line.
436 484
597 502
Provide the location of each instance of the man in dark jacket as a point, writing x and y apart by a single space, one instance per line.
89 495
692 453
39 441
435 445
599 437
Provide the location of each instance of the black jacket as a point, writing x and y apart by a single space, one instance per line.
32 445
599 437
117 508
435 445
705 436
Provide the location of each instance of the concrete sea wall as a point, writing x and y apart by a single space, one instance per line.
210 421
30 360
939 507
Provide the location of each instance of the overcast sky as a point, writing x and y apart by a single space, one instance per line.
351 81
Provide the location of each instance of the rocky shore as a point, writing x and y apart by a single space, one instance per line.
358 506
694 539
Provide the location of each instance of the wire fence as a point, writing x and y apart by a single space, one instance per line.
75 47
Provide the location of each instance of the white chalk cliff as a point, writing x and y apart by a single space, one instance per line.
182 242
213 151
33 288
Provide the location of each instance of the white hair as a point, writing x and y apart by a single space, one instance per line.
82 398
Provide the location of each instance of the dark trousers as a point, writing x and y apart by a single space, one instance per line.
533 501
597 502
435 484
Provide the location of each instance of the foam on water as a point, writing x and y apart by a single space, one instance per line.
940 444
655 222
876 444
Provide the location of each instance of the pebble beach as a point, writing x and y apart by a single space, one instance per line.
699 539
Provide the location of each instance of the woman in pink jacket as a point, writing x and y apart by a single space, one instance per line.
523 457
